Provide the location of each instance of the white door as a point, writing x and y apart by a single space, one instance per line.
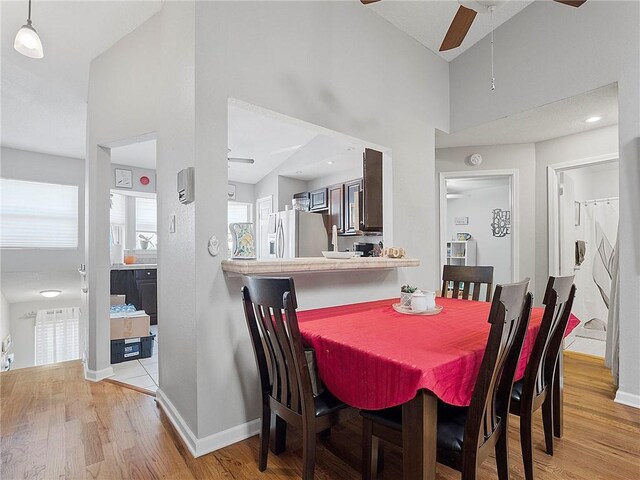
567 219
264 207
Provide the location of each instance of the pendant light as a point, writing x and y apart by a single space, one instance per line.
27 40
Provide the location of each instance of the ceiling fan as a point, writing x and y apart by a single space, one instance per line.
239 160
466 14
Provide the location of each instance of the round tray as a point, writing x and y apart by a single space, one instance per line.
407 310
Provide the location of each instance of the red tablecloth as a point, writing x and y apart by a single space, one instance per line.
371 357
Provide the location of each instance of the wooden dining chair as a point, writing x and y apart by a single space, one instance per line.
467 435
270 310
467 276
535 388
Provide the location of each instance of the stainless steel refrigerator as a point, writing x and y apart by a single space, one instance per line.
295 233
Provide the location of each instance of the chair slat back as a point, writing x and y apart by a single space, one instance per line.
509 318
558 301
270 311
468 277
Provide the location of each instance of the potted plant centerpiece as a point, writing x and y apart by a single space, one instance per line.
406 291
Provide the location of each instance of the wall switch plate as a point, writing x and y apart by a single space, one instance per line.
172 224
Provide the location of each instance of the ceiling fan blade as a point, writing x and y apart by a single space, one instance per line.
367 2
240 160
458 29
572 3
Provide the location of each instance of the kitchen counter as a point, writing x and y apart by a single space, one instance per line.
135 266
312 264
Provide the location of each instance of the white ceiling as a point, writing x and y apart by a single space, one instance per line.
141 154
428 20
297 149
558 119
44 101
26 286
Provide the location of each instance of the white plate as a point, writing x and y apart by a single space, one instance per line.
407 310
338 255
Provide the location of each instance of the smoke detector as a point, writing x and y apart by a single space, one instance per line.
475 160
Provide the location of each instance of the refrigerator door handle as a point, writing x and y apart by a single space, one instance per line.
280 240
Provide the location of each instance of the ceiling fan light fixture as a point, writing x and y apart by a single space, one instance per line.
27 41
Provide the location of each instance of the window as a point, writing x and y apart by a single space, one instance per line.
57 335
38 215
237 213
146 223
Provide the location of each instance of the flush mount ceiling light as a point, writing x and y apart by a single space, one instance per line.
593 119
27 40
330 162
50 293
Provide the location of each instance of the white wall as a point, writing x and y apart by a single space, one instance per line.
335 178
478 205
245 192
40 167
23 328
520 157
207 371
551 52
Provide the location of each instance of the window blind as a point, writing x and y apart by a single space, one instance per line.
38 215
239 212
146 214
57 337
118 212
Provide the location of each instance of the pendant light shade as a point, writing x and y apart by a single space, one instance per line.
27 40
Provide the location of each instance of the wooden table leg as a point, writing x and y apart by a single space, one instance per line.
558 387
419 441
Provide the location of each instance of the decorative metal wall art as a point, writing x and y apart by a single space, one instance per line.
501 223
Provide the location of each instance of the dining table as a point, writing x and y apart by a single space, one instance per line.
372 357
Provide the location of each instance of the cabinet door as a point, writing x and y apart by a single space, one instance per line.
336 207
351 204
318 200
148 292
372 191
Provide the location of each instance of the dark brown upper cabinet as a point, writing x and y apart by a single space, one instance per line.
352 205
336 207
371 219
318 200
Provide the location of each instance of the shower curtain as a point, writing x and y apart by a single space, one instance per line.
598 227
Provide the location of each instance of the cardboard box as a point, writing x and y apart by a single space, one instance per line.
130 326
118 300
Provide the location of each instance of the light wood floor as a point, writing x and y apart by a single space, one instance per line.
55 425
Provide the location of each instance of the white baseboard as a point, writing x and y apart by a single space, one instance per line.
97 375
201 446
629 399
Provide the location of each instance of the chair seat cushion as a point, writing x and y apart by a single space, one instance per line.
451 423
326 403
516 391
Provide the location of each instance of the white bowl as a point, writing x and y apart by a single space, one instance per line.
338 255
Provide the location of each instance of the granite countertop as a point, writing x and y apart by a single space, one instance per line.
313 264
135 266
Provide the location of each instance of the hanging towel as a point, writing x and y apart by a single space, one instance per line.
581 248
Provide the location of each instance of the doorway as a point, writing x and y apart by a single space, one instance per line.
479 221
583 200
133 250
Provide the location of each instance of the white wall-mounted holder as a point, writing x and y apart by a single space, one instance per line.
214 246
